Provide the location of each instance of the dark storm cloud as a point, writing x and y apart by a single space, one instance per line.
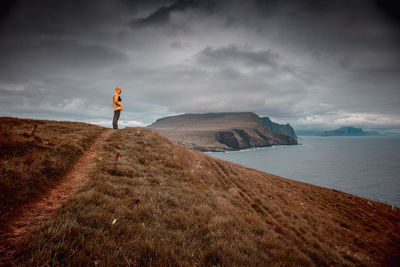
59 55
5 7
391 9
162 14
310 63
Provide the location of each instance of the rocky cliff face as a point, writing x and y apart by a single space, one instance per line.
283 129
220 131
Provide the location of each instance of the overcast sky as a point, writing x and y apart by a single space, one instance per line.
314 64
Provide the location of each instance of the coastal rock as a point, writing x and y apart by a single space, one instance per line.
282 129
220 131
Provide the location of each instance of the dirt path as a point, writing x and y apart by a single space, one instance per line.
40 209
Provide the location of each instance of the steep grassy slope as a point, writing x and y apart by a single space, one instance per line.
220 131
175 206
29 165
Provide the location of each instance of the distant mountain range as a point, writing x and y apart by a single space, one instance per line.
224 131
349 131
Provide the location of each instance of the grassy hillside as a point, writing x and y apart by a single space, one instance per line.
30 165
220 131
175 206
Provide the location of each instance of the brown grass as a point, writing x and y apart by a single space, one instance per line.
175 206
30 165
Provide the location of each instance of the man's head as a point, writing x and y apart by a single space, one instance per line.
118 90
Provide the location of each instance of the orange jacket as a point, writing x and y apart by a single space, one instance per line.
117 103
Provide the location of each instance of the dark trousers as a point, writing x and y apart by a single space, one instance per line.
116 118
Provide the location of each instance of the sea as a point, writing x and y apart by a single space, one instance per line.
366 166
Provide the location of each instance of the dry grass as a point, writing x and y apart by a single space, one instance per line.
175 206
30 165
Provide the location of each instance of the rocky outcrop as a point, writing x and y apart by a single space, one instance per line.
227 138
282 129
242 139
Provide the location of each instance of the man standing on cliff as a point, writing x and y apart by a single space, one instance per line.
117 104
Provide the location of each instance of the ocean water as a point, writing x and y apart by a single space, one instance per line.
367 166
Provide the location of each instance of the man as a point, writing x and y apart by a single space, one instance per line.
117 104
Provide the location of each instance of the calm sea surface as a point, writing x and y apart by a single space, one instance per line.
366 166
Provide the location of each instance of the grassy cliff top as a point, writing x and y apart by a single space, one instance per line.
31 164
174 206
209 121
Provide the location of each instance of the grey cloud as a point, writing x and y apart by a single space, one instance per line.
214 80
180 45
234 54
304 62
56 60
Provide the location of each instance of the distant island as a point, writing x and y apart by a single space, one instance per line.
224 131
349 131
